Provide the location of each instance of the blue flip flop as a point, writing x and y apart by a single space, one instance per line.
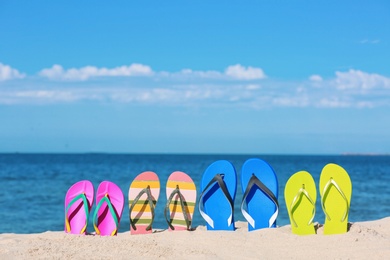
216 202
260 194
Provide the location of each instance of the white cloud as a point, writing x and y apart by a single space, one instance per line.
40 96
253 87
8 73
188 73
333 102
57 72
293 101
356 79
244 73
316 78
353 88
236 72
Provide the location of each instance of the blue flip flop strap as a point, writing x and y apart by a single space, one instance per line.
183 208
217 179
294 202
255 181
86 209
325 193
106 200
151 204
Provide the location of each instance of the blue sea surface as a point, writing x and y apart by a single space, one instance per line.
33 186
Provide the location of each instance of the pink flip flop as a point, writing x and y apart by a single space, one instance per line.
143 196
78 203
109 209
181 199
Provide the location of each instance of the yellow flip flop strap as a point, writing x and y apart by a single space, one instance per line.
325 193
295 200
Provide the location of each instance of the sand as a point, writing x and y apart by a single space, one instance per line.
364 240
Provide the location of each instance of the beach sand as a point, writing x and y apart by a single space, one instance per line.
364 240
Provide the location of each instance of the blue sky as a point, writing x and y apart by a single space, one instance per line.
273 77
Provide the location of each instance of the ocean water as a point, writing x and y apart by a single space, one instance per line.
33 186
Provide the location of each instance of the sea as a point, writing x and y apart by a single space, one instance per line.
33 186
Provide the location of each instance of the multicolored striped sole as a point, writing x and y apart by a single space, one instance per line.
181 207
142 208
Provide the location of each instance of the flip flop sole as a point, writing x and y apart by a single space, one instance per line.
141 215
299 206
106 223
259 206
75 214
187 188
215 203
336 205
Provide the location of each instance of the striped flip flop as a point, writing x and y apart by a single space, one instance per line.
143 196
181 200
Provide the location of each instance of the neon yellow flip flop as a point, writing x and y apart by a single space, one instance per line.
336 191
300 195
